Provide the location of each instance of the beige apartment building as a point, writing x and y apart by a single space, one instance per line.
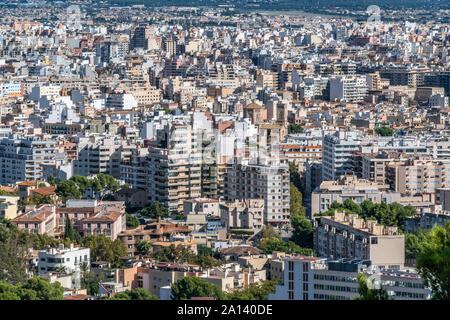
348 236
266 78
174 167
261 182
418 175
9 207
350 187
244 214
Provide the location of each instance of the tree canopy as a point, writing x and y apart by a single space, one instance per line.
384 131
104 249
366 293
189 287
271 241
433 261
154 210
32 289
393 214
102 184
303 231
295 128
255 291
180 254
135 294
132 221
296 202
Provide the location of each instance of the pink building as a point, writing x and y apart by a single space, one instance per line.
38 219
108 223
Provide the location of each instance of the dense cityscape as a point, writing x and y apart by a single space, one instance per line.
221 150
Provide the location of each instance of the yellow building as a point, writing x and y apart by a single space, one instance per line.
9 207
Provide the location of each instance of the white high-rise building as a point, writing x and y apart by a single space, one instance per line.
348 88
337 154
261 182
22 158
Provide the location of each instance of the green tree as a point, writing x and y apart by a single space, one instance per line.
384 131
132 221
294 176
51 180
255 291
365 293
44 289
143 247
82 183
37 200
90 281
155 210
349 204
433 261
189 287
135 294
13 246
296 202
271 241
303 231
68 190
104 249
69 231
295 128
414 243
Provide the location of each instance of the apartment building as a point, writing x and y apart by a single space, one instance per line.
348 88
70 259
21 159
420 175
153 231
338 151
402 76
348 236
426 221
100 154
309 278
244 214
232 276
106 222
140 36
350 187
174 167
9 207
302 147
39 220
270 183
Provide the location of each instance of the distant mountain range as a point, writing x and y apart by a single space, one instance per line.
294 4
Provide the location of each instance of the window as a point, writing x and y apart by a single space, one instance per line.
305 267
291 266
374 240
291 295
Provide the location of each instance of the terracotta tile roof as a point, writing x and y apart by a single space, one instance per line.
32 217
28 183
104 217
8 189
46 191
